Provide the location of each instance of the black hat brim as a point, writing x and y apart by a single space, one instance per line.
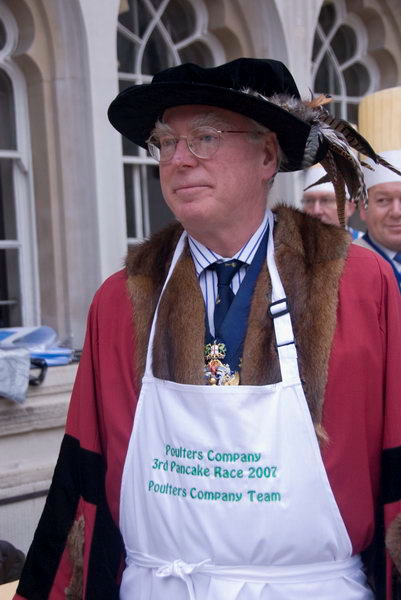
135 110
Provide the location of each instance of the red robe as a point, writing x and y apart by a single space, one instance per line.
78 546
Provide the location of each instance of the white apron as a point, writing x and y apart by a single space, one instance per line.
224 493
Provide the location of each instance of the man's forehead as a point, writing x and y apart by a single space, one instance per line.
318 194
390 187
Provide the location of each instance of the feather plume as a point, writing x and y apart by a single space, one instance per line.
324 179
341 164
320 100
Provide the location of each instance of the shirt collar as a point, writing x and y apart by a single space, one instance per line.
203 256
387 252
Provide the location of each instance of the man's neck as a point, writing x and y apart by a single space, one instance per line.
226 242
388 251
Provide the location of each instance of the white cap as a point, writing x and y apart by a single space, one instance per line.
379 119
381 174
314 174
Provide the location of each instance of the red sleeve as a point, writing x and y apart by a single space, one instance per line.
77 541
106 376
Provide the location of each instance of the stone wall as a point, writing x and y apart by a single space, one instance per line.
30 437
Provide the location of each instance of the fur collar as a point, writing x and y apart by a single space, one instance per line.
310 258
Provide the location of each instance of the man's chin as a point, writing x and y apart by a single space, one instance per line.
194 209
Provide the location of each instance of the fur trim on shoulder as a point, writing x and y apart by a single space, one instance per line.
147 267
310 257
308 237
393 542
152 258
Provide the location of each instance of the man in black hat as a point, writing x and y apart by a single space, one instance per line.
235 429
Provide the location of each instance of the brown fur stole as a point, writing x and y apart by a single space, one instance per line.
310 258
393 542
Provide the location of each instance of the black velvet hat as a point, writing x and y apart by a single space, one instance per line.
135 110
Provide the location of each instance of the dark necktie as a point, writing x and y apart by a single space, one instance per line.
397 257
225 272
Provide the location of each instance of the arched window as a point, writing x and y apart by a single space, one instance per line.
18 276
341 66
155 35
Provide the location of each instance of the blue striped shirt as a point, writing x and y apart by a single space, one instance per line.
203 257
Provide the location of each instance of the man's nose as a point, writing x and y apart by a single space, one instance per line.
396 207
182 154
316 208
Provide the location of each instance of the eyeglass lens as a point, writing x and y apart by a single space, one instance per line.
323 201
203 142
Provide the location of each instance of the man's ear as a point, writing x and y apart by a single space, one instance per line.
271 150
349 209
362 212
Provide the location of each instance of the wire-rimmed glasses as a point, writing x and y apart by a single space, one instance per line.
324 200
202 142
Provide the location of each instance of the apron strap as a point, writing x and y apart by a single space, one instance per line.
321 571
279 312
284 341
177 568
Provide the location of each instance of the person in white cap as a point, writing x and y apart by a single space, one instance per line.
320 200
380 122
235 426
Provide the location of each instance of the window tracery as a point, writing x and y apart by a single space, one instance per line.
341 64
154 35
18 280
